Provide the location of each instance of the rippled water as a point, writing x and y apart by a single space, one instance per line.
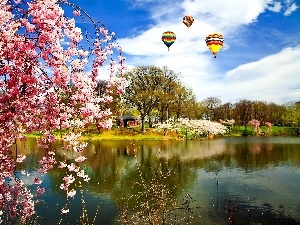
252 180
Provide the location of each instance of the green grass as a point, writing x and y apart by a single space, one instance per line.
119 134
276 131
135 133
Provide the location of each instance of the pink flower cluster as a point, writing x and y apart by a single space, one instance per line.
255 124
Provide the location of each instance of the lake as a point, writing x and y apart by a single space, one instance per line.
232 180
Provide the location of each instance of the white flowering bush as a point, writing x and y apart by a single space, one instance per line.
193 128
165 127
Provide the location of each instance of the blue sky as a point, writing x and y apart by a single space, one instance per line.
260 59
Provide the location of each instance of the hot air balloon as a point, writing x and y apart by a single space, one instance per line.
168 38
214 42
188 21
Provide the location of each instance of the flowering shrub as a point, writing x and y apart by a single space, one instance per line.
255 125
194 127
227 122
268 129
44 85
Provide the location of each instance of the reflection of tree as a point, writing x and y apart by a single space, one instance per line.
114 170
151 196
119 167
151 200
29 148
110 160
251 156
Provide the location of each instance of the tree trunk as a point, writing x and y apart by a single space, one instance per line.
143 124
150 122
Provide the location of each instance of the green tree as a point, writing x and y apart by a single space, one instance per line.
292 116
259 111
144 89
194 110
169 87
275 113
183 102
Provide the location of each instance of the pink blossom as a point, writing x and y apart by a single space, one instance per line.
80 159
255 124
80 173
76 13
40 191
38 67
69 179
65 125
72 167
51 153
64 186
86 178
37 181
20 158
62 165
71 193
23 172
268 124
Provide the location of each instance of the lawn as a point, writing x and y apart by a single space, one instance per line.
135 133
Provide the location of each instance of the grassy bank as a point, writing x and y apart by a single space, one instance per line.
119 134
248 131
151 134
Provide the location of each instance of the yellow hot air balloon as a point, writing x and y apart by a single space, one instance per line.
214 42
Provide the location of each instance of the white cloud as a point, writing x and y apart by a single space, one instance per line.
290 9
229 12
149 43
272 78
275 7
219 16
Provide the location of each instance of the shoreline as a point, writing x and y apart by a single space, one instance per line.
134 133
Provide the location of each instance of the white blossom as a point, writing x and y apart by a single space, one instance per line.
197 127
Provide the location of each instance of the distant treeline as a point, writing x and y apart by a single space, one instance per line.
156 94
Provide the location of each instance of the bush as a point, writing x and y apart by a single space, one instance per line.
247 132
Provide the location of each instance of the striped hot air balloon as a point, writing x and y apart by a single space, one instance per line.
168 38
188 21
214 42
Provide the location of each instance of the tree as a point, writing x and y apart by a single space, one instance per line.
42 52
259 110
211 106
144 89
193 109
169 87
225 111
243 112
182 102
275 113
292 117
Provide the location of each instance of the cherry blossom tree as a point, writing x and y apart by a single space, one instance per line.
254 123
42 52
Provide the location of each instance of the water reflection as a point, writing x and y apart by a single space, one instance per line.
257 178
